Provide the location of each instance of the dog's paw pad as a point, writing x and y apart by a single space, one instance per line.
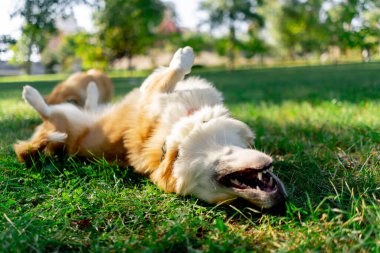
183 59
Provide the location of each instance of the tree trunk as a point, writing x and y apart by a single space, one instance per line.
261 59
292 54
28 63
129 65
231 47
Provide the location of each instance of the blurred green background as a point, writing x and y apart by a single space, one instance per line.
50 36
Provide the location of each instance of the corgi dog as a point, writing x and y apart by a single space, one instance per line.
173 130
73 89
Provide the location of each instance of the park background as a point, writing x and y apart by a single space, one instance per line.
304 75
44 36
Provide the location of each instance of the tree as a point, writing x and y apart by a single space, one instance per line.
320 25
40 17
368 36
299 27
6 42
83 47
127 28
254 44
354 24
232 13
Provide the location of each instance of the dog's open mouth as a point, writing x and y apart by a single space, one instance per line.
250 179
259 186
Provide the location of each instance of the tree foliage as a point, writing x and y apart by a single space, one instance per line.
39 25
368 37
127 28
317 25
254 44
354 23
232 13
76 50
6 42
299 27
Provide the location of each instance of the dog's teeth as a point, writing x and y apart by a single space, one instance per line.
265 171
244 185
260 176
258 188
235 181
270 181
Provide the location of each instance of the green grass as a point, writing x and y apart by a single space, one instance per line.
321 124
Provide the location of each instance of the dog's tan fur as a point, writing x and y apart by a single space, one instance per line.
73 89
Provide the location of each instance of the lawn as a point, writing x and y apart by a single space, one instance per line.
321 124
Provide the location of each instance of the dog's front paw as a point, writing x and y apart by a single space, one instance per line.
183 59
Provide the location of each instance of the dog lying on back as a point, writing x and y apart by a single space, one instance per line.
176 132
73 89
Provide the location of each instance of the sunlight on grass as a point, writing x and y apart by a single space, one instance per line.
10 108
325 141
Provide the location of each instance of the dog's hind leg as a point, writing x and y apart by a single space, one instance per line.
34 99
165 79
55 114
